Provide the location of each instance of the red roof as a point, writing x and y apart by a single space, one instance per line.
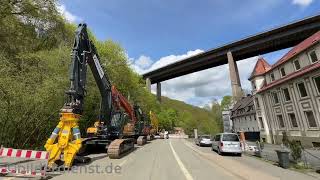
298 49
261 67
293 52
302 71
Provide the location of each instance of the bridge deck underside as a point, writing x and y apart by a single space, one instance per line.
270 41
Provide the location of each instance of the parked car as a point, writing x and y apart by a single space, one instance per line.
203 140
227 143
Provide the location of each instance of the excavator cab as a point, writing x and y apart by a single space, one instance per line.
139 127
118 120
115 127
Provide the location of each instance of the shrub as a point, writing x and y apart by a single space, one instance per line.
296 150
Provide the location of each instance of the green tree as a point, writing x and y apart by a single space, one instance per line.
217 113
34 64
34 61
167 118
226 102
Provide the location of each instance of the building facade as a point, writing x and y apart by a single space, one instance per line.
243 116
287 95
227 122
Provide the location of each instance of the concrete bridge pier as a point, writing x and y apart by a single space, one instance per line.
159 91
237 92
148 84
148 87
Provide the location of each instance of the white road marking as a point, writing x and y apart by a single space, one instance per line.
182 167
123 162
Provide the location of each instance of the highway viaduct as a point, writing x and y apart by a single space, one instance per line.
272 40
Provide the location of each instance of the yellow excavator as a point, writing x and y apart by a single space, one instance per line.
154 124
66 138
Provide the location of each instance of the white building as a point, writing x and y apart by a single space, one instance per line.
287 94
227 122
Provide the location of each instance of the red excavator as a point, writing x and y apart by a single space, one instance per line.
136 127
131 126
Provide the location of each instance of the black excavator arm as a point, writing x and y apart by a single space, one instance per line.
84 53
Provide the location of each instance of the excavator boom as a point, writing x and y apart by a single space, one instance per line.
121 101
66 138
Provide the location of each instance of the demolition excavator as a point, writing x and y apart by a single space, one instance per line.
113 124
130 124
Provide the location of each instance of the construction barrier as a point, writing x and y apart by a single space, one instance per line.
178 136
23 154
250 148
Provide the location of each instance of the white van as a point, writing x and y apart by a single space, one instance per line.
227 143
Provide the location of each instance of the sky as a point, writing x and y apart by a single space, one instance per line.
155 33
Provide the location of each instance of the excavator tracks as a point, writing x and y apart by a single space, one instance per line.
150 137
141 140
119 147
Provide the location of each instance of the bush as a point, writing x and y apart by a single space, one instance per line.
296 150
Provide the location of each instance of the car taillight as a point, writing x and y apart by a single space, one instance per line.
221 144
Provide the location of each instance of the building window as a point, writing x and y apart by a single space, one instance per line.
275 98
293 120
283 72
317 81
286 94
311 119
313 56
297 64
281 122
272 77
261 122
302 89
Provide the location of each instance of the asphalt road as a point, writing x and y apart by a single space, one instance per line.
178 159
157 160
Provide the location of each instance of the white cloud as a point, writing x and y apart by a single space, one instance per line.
302 3
173 58
200 88
143 61
66 14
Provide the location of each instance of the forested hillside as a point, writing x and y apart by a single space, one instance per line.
179 114
34 60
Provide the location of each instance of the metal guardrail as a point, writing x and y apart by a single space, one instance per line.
311 154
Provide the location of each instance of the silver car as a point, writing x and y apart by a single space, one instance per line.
203 140
227 143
